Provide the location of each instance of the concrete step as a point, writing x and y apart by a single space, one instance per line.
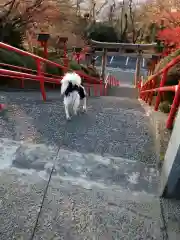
123 91
88 197
113 125
104 183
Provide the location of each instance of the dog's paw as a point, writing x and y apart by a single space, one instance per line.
84 110
68 118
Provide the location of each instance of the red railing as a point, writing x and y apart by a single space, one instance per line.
111 81
148 88
39 75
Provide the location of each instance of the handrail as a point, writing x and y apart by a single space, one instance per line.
149 87
25 69
163 89
40 75
169 65
6 72
11 48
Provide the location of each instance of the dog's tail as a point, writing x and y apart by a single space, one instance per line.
73 78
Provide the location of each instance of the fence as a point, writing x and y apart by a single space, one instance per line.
39 75
148 89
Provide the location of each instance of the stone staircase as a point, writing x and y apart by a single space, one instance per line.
128 92
92 178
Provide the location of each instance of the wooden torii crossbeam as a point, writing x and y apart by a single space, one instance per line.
138 48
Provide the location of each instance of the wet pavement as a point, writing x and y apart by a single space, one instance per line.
93 178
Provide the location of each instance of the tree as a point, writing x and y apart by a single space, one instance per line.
14 17
102 32
124 16
93 7
28 18
111 12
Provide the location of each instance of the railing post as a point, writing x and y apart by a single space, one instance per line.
66 64
153 84
95 90
105 90
41 79
174 108
141 94
22 83
137 72
144 94
158 98
104 58
147 94
101 89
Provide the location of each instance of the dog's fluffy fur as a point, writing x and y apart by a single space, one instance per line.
73 92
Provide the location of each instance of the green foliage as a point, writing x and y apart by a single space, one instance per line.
29 62
54 70
101 32
10 58
74 66
16 59
159 47
165 107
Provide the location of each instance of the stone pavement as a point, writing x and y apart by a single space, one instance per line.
92 178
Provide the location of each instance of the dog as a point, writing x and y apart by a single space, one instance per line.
73 91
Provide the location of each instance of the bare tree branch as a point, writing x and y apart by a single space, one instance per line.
101 7
132 20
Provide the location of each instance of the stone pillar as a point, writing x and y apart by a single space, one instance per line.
104 59
170 175
138 68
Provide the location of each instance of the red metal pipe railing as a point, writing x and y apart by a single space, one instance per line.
21 75
147 90
23 69
43 60
111 81
39 74
26 69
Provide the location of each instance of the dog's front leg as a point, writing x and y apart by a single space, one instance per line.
67 112
66 107
85 104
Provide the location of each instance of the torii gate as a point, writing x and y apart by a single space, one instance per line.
138 48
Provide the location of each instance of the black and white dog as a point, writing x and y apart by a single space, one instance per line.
73 92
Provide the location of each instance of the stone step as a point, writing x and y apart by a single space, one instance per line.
88 168
123 91
114 125
106 171
99 196
88 197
